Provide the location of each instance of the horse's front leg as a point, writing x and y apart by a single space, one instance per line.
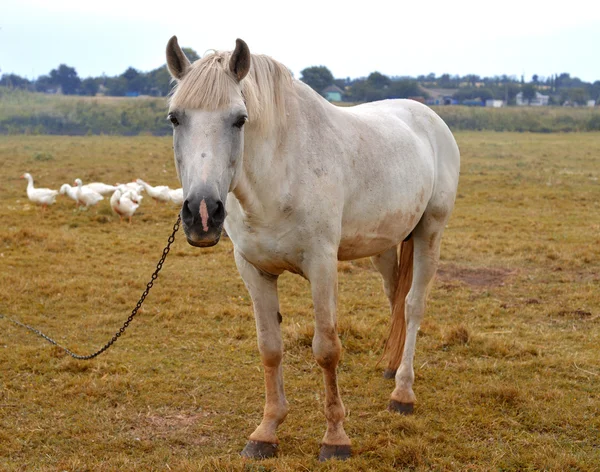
262 287
327 350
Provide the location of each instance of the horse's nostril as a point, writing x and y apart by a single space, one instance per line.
186 214
218 215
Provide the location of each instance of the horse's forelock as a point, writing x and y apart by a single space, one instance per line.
207 85
210 85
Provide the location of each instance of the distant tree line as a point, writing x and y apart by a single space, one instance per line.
23 112
561 88
64 79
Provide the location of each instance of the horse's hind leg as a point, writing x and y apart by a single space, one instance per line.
262 287
427 241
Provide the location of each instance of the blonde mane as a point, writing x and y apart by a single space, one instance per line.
210 85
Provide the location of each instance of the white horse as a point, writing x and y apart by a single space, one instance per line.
304 184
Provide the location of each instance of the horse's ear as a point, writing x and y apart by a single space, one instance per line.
177 62
239 63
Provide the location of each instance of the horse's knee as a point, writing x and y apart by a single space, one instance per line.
327 348
271 354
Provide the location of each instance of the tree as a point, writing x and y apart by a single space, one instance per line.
578 96
116 86
66 77
341 83
130 74
44 83
595 90
473 93
378 81
89 87
445 81
529 92
317 77
403 89
511 90
136 81
14 81
472 79
358 90
159 81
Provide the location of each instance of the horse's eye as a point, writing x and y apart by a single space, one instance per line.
240 122
173 119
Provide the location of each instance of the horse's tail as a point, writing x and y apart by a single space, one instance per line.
394 346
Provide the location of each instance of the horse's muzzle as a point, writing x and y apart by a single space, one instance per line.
203 220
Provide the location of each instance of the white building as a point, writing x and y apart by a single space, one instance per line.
494 103
539 100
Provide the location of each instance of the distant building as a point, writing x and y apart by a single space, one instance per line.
539 100
442 100
333 93
475 102
441 97
494 103
591 103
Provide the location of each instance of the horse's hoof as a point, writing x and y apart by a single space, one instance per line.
402 408
389 374
259 450
334 452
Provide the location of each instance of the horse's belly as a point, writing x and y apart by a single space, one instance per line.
368 238
364 246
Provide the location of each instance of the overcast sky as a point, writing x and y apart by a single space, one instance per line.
351 38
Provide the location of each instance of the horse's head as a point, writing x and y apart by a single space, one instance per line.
208 113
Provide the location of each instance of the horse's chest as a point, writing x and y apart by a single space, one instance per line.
271 251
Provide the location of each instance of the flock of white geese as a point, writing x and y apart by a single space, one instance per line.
125 198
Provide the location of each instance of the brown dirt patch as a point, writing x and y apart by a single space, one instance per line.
578 314
475 277
174 421
173 427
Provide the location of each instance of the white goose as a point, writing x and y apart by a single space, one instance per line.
41 196
160 192
70 192
132 186
125 202
86 196
176 196
101 188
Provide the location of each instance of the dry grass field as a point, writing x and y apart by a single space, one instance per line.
508 357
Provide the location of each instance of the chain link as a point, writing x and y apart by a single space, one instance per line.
134 312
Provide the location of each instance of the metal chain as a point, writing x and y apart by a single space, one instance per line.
129 319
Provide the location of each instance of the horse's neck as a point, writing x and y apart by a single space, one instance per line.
265 173
260 173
